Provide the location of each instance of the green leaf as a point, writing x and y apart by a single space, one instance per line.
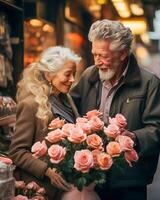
101 177
80 183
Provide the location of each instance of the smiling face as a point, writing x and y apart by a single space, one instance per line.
108 62
64 78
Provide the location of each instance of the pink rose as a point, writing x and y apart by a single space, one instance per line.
39 149
38 197
94 141
104 161
112 130
95 154
20 184
125 142
55 136
56 123
77 135
66 129
81 120
83 160
57 153
93 113
41 191
32 186
96 124
86 127
131 156
113 149
20 197
119 120
5 160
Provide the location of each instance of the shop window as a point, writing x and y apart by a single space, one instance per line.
38 35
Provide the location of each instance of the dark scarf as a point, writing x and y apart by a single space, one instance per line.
61 108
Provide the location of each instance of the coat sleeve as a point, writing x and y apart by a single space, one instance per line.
22 141
149 136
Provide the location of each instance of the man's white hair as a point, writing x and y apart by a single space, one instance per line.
120 36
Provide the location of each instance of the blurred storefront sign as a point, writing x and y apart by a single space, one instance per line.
137 25
122 7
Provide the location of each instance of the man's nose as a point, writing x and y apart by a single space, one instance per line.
98 62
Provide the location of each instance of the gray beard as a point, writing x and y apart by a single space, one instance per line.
105 76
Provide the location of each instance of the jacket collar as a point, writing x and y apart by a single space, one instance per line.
94 76
133 76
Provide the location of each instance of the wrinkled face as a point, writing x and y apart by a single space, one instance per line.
63 79
106 61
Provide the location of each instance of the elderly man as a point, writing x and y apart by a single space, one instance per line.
116 84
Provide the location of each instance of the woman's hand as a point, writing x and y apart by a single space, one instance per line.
38 198
57 180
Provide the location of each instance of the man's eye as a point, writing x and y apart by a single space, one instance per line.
104 56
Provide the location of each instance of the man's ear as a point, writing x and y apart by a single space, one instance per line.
124 54
47 76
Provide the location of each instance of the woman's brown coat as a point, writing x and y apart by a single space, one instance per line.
29 129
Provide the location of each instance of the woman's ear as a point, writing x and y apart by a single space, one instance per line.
47 76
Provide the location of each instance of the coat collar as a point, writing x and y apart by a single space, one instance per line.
94 76
133 76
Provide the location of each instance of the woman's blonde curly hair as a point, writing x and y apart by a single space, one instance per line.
33 81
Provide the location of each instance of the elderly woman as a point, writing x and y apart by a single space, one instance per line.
41 97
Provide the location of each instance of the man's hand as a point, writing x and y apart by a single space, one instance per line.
129 134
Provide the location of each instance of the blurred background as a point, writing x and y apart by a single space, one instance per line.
29 26
70 21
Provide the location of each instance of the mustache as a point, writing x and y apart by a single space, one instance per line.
97 65
100 66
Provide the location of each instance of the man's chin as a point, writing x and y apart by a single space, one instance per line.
106 75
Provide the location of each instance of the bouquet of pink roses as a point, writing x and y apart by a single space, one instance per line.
84 151
28 191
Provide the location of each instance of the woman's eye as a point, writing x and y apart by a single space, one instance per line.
67 74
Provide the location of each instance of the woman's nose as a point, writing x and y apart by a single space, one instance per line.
72 79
